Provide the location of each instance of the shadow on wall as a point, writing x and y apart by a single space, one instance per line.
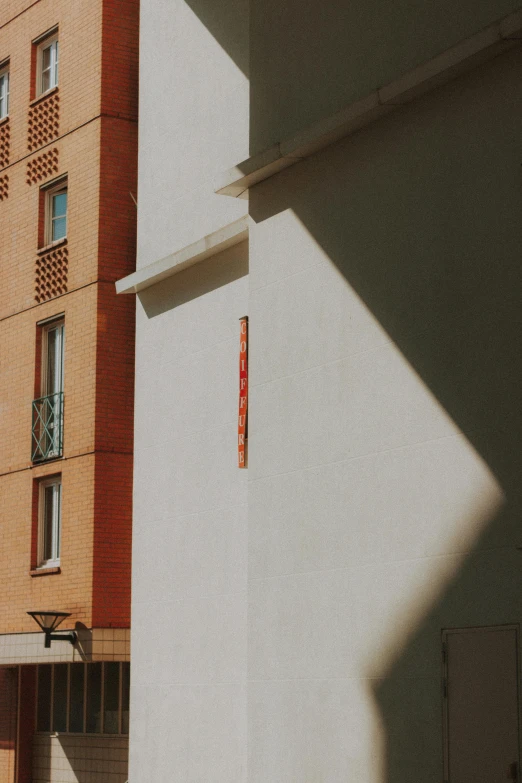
227 21
421 215
84 643
196 281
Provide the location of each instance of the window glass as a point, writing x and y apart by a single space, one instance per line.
111 697
49 66
125 689
43 711
58 216
76 698
54 360
94 715
50 521
60 697
47 438
70 698
4 94
49 503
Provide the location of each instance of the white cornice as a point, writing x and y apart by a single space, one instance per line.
464 56
210 245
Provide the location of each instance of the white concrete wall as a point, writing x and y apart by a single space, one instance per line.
194 97
384 491
383 499
188 697
188 694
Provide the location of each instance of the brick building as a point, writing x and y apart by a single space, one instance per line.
68 157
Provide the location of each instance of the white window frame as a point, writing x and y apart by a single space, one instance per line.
4 91
49 42
50 193
52 385
48 385
56 522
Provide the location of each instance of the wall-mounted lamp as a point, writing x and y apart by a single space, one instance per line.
49 622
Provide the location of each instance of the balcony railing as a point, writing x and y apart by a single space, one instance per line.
47 439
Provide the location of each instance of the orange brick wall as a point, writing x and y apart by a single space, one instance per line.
97 148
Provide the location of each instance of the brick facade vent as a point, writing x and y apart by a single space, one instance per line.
5 141
4 187
51 274
43 122
41 167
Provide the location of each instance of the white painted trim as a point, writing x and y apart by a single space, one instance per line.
55 187
53 481
464 56
45 43
208 246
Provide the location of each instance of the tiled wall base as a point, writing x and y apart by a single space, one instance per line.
75 758
96 644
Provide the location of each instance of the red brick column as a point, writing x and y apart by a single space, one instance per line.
26 725
8 705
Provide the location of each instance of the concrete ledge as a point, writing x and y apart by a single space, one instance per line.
208 246
464 56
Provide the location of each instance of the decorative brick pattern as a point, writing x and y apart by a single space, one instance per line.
51 274
5 143
44 122
43 166
4 187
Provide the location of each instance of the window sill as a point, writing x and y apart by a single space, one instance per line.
43 96
95 735
46 460
45 571
4 120
51 246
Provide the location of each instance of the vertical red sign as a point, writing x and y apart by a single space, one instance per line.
242 422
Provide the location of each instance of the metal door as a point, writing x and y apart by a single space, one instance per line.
481 705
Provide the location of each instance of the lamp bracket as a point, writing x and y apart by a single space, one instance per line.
64 636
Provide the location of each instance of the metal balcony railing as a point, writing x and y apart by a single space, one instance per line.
47 430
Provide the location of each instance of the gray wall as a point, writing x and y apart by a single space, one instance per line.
309 59
385 430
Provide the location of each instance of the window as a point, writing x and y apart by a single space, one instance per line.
47 64
49 522
83 698
52 355
47 441
4 91
56 213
